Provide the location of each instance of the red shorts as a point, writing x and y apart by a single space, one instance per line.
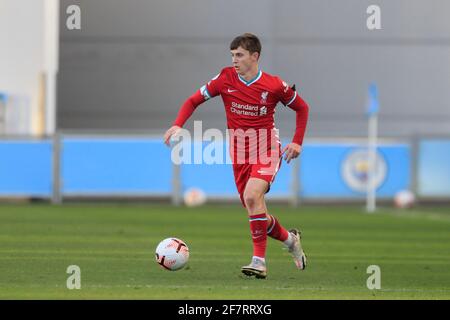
264 171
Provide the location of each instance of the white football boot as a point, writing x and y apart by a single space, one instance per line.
296 249
256 268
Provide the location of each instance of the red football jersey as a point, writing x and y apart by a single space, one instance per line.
250 107
249 104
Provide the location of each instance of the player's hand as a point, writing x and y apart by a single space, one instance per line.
291 151
169 133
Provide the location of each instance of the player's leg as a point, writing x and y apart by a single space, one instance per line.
253 196
276 231
254 193
241 177
291 238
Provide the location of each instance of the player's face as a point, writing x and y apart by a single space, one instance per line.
243 61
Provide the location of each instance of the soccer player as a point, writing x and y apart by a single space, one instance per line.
250 97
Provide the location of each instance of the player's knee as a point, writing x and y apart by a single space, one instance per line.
252 198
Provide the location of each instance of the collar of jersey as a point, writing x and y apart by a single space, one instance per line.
247 83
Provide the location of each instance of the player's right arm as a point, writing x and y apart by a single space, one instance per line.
186 110
208 91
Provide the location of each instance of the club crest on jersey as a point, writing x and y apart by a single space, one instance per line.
264 97
263 111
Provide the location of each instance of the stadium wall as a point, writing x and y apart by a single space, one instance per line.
134 62
140 166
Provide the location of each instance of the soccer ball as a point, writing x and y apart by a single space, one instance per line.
404 199
194 197
172 254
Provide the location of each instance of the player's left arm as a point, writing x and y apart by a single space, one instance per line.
292 100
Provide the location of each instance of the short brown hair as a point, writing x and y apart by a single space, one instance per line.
247 41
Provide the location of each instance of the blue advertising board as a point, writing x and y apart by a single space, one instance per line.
341 170
26 168
434 168
108 166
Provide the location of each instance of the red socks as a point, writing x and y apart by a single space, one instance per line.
258 228
276 230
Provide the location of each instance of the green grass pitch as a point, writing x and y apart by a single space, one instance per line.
114 247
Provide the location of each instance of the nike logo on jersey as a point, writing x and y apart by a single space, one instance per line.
230 90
